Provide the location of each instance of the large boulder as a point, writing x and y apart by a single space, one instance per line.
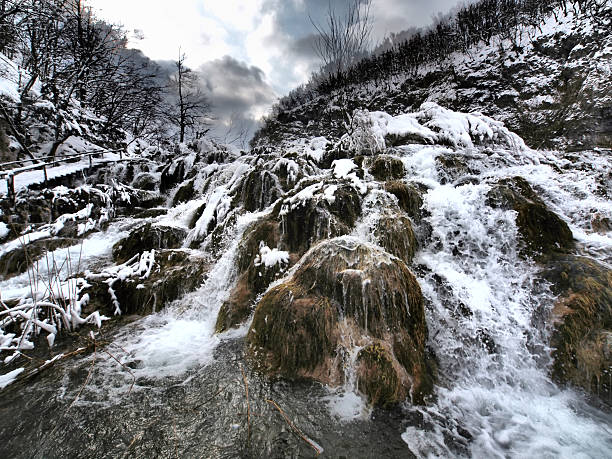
344 294
148 237
582 320
542 232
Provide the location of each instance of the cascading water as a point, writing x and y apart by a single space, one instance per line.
485 317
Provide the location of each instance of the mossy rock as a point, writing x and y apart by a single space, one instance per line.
146 181
175 273
452 166
380 377
315 220
292 333
601 224
18 261
296 327
386 167
252 279
542 232
582 319
148 237
395 234
409 198
185 193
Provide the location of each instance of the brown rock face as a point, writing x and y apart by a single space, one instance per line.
582 319
386 167
344 287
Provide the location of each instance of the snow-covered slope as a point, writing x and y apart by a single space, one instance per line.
550 83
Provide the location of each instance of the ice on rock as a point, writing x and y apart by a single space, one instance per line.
10 377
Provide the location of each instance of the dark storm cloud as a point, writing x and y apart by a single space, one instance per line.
293 22
238 93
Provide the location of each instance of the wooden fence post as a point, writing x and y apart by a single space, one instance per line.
45 172
10 188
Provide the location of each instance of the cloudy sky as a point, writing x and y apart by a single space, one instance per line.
249 51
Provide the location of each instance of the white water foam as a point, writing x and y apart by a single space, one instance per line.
483 309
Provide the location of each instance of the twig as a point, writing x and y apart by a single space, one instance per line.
93 362
295 429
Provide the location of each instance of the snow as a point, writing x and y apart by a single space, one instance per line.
316 148
271 257
342 167
23 240
4 230
10 377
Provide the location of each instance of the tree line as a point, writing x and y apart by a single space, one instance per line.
82 65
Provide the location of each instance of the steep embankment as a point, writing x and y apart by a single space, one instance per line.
548 80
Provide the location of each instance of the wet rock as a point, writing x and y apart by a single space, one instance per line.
601 224
386 167
18 261
452 166
152 213
259 190
379 375
254 276
146 181
409 198
582 319
542 231
147 237
175 273
316 219
344 292
185 193
172 175
395 234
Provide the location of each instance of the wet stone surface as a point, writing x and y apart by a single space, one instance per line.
203 413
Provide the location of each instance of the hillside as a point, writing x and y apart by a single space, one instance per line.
383 274
546 78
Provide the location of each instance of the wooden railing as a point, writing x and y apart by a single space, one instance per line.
43 163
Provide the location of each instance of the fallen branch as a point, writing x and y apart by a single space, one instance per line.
317 448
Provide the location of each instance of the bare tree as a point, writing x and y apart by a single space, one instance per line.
344 38
191 106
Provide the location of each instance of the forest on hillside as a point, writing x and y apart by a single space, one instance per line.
470 25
